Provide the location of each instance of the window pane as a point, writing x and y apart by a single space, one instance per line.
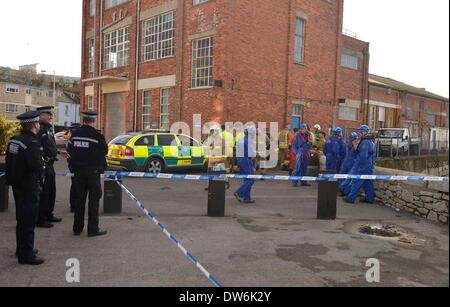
166 140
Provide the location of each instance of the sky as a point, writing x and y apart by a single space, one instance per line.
409 38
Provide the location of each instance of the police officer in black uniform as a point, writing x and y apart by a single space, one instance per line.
87 149
50 154
73 196
24 168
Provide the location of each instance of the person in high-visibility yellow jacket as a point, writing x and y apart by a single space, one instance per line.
283 146
228 145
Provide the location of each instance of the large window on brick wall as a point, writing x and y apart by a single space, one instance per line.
202 62
158 37
112 3
431 119
165 109
91 54
350 61
347 113
90 103
299 40
92 6
146 109
117 48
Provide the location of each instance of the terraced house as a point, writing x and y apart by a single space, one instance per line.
23 90
150 63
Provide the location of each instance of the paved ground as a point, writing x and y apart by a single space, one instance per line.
277 242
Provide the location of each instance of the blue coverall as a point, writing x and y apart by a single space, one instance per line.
364 165
346 168
246 166
332 151
343 149
302 149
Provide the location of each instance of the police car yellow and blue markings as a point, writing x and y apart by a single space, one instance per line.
172 156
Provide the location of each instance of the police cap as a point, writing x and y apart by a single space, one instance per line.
48 109
29 117
90 114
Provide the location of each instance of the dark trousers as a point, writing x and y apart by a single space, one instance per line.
27 211
247 168
72 197
48 194
84 184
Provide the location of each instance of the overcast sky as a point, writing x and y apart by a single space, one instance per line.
409 38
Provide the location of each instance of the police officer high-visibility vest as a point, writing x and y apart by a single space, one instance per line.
284 139
227 143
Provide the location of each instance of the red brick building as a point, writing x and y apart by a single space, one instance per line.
150 63
395 104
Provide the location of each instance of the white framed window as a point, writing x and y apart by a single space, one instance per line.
347 113
158 37
299 52
381 117
92 7
90 103
117 48
66 110
431 119
39 93
165 109
372 114
202 62
12 88
91 55
112 3
27 109
28 91
146 109
11 108
196 2
350 61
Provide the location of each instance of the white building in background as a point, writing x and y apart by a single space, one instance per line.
68 114
25 90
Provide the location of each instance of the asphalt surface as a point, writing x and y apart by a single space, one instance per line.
276 242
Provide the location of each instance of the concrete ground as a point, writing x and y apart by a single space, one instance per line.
276 242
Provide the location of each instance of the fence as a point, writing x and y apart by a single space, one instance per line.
395 148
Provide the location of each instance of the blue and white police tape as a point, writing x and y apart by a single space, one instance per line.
273 177
170 236
327 177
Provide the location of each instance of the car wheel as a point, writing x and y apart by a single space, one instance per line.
155 166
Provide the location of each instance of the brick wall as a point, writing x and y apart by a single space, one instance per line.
253 57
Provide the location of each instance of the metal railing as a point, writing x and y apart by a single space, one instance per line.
393 148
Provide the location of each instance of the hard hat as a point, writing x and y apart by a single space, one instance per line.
338 131
364 128
318 127
251 129
303 126
353 136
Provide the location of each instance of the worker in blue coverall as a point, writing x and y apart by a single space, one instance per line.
364 165
332 150
347 165
302 149
246 152
342 148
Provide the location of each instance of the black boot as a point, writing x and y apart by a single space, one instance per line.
33 261
98 233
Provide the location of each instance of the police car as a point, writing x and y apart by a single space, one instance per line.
155 152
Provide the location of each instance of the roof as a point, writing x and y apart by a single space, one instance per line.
400 86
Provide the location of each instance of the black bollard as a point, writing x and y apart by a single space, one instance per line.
327 200
4 190
216 197
112 200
